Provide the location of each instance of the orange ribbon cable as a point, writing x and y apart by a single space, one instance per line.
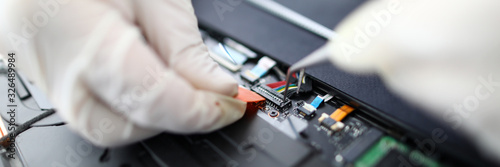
254 100
341 112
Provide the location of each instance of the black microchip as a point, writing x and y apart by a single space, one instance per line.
305 113
360 145
328 122
395 158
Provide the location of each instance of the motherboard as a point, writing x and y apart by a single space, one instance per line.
312 126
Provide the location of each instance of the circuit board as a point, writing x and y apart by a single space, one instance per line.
312 127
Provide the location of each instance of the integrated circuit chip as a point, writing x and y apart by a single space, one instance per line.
330 123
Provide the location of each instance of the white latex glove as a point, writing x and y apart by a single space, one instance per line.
110 84
443 56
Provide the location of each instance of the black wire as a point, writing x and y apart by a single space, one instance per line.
290 92
293 127
25 126
52 124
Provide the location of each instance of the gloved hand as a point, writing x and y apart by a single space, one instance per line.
121 71
441 55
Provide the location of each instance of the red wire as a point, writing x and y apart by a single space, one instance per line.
279 83
276 84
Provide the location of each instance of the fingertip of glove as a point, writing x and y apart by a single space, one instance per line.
227 87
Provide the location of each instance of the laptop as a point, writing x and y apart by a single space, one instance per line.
333 119
381 130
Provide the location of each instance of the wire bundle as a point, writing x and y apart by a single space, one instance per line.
280 86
